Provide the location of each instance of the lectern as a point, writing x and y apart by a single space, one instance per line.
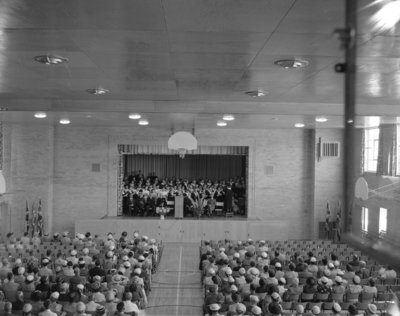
178 206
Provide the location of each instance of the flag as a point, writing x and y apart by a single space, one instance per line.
33 220
40 219
26 218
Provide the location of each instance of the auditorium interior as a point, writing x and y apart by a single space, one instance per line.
190 139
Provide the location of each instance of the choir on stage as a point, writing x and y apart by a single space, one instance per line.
145 196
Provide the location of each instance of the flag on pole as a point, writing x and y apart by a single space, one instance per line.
33 220
40 219
328 211
27 218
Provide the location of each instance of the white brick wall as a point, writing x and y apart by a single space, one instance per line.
54 164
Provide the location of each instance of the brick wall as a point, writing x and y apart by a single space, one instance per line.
54 164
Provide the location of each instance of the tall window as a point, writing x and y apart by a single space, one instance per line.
364 219
382 221
371 149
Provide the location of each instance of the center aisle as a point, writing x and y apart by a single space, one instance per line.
176 287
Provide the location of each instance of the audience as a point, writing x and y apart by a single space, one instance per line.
102 277
261 288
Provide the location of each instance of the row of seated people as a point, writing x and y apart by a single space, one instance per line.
250 276
112 277
286 255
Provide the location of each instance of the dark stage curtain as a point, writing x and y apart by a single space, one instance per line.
213 167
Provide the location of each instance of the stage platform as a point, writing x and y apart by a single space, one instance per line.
188 229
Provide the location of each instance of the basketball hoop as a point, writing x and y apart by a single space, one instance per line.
182 142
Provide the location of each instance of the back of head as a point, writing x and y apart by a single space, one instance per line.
120 307
46 304
7 307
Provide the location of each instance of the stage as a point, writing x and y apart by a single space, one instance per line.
187 229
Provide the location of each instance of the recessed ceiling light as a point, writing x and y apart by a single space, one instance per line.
143 122
321 119
65 121
292 63
221 123
256 93
50 59
228 117
299 125
98 91
350 121
40 115
134 116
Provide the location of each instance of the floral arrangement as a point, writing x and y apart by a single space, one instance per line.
162 211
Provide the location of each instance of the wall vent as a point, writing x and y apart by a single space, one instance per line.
330 149
95 167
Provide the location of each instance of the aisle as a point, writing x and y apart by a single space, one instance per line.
176 288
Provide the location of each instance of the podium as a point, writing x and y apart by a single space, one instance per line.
178 206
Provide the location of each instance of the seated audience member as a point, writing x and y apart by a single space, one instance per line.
55 307
310 287
363 272
336 308
130 307
349 273
121 310
47 311
291 273
372 310
338 287
8 311
10 288
27 310
80 309
299 310
301 266
44 287
36 302
353 310
370 287
19 301
312 266
294 288
323 285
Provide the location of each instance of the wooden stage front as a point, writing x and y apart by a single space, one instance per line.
187 230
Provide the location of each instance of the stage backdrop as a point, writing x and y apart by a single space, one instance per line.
211 167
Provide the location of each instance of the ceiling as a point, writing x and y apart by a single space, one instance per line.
184 63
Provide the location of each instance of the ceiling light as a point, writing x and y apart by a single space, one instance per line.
40 115
321 119
228 117
292 63
299 125
143 122
65 121
98 91
256 93
134 116
50 59
221 123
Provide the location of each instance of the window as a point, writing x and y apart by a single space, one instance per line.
371 149
382 221
364 219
